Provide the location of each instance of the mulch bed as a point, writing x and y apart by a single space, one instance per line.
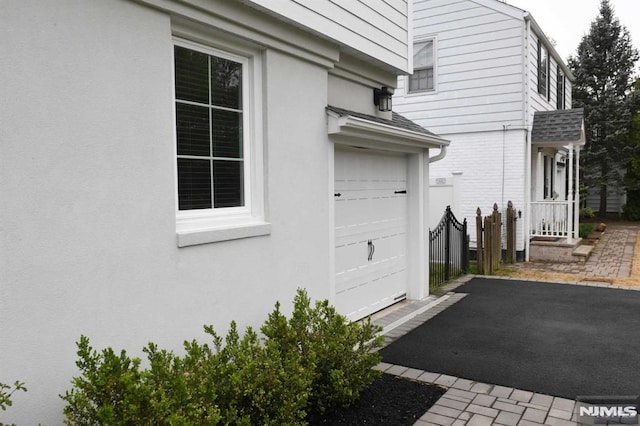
390 400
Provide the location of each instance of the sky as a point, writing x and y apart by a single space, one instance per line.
566 21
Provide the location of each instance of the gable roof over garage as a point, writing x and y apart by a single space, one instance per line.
398 133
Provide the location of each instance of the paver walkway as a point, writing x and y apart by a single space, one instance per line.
611 257
478 404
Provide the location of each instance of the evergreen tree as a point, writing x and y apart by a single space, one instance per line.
603 70
632 179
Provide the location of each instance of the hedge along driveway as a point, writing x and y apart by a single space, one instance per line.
557 339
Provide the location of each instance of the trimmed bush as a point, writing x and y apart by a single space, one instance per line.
315 360
339 355
242 383
111 390
258 383
114 390
182 393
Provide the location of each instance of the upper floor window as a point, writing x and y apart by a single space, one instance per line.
423 66
543 70
561 89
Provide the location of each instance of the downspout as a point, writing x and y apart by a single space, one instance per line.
425 179
439 156
527 198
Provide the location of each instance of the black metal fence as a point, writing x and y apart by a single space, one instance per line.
448 250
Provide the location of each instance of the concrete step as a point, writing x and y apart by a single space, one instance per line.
582 252
554 249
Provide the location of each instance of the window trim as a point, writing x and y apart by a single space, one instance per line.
201 226
433 40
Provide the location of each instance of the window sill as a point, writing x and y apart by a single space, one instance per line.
193 237
421 93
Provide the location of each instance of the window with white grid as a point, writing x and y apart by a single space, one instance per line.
209 130
422 78
218 143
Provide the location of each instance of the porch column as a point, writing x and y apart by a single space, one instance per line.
554 174
576 198
548 178
539 176
571 198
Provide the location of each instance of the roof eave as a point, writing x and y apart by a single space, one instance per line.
547 42
358 131
563 143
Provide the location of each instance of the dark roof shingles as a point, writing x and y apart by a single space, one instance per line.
557 126
397 120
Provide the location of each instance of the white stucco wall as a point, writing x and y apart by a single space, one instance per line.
87 210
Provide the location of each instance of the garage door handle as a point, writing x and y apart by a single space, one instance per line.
372 249
401 192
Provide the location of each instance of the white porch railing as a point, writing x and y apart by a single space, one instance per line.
550 218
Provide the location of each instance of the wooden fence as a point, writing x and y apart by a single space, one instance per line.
512 217
489 238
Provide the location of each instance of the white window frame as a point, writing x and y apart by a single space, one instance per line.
433 40
201 226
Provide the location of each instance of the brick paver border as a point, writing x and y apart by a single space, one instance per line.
467 402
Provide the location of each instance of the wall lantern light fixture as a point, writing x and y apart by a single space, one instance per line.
382 98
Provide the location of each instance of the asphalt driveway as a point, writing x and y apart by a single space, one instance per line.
556 339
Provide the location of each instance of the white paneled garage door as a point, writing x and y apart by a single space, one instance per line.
371 231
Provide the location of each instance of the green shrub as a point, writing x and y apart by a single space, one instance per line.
256 382
585 229
586 213
631 210
111 391
114 390
338 354
183 393
317 359
6 391
241 382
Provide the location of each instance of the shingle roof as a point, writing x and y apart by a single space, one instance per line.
558 126
397 120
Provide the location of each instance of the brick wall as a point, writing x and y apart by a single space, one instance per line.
493 171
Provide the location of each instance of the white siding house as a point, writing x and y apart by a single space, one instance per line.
479 79
167 164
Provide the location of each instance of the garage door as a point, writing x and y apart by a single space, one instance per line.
371 231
